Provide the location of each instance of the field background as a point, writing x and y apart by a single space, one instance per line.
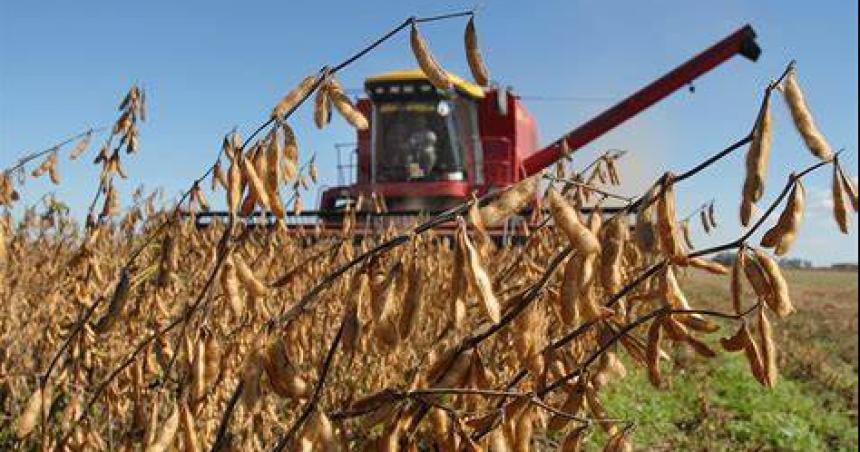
717 405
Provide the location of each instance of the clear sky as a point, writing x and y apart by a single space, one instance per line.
209 66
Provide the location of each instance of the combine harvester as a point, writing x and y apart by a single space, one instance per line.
427 150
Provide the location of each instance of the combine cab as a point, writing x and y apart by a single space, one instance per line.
426 150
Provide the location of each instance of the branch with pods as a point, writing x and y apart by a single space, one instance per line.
404 339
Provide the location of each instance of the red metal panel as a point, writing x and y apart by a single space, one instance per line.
491 123
363 137
499 140
440 189
436 189
740 41
498 162
525 130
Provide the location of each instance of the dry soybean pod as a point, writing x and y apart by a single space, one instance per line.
413 300
294 97
567 220
737 288
669 234
612 169
166 433
4 250
53 172
780 302
434 72
613 237
575 439
754 357
218 177
189 433
798 206
273 176
784 233
235 183
707 265
757 160
850 187
478 277
256 186
653 352
768 349
620 442
840 210
758 280
569 292
229 281
595 220
712 215
688 235
473 55
322 107
803 119
290 148
283 376
198 366
587 305
46 164
743 340
313 171
646 230
82 145
212 361
572 405
33 412
344 105
251 283
672 292
117 302
453 371
737 342
509 202
706 223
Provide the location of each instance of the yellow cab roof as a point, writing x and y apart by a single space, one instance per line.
466 87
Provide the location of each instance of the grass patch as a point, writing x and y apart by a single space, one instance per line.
718 405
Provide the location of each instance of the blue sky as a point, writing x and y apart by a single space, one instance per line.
210 66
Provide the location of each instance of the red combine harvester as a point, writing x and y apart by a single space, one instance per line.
427 150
